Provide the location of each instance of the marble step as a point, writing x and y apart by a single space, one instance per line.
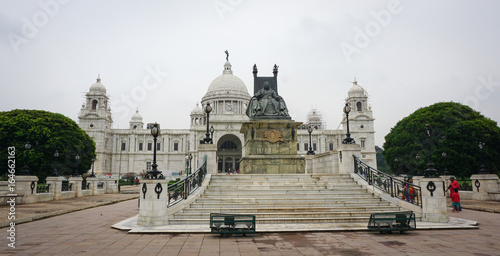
270 209
279 215
330 203
206 221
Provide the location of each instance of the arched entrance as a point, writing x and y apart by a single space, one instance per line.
228 153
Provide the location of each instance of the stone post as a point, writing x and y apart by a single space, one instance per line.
26 188
211 151
309 164
346 161
55 186
77 185
93 184
446 179
487 183
416 180
433 203
112 185
153 203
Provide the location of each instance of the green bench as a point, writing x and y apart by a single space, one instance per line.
224 224
386 222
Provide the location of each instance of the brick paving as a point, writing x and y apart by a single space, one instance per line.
89 232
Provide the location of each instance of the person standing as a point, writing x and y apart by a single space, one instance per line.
455 201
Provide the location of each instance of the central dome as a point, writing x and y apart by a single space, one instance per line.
227 84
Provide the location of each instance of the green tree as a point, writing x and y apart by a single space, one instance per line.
381 164
47 133
455 129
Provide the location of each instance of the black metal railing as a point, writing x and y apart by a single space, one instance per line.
464 185
85 185
67 186
183 188
44 188
100 185
395 187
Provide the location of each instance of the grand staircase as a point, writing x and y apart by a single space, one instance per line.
284 199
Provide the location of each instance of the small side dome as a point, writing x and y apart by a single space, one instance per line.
98 87
197 110
136 118
356 90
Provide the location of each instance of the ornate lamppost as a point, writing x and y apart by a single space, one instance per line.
26 169
54 173
310 130
347 140
92 174
397 166
154 173
212 130
430 172
190 157
444 155
417 157
482 168
207 139
75 174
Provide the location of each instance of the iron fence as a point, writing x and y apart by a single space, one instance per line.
395 187
183 188
43 188
67 186
85 185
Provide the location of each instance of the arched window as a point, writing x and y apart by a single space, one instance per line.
94 104
229 145
358 106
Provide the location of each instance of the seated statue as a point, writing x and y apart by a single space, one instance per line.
266 104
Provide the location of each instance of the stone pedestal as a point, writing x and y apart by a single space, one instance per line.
77 185
433 204
93 184
210 150
487 183
346 160
309 167
271 147
112 185
417 179
55 186
153 203
26 188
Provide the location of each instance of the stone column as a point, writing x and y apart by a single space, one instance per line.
433 203
93 184
153 203
446 179
346 161
55 186
487 183
211 151
77 185
26 188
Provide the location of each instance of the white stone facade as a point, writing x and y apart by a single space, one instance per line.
120 151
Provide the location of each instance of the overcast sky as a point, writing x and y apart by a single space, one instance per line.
161 56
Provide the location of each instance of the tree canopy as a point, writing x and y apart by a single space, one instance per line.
455 129
47 133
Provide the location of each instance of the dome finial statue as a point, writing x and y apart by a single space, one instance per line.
227 55
98 78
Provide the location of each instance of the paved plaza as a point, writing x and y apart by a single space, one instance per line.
89 232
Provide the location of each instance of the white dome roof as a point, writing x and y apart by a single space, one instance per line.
227 84
356 90
136 118
197 110
98 87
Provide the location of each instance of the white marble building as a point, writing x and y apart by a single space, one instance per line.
120 151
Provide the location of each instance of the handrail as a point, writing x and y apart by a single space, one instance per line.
183 188
387 183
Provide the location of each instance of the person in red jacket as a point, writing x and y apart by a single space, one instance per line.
453 185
